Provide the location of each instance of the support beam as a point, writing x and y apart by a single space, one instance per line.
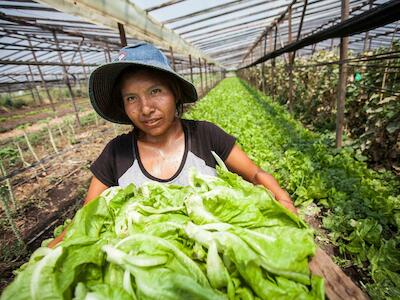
137 23
171 2
42 77
344 44
381 15
38 63
68 83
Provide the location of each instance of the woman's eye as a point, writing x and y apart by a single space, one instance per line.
155 91
131 98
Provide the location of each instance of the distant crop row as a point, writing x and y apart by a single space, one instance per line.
359 207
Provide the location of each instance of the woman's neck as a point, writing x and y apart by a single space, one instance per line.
173 133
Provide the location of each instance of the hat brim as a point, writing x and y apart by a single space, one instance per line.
102 81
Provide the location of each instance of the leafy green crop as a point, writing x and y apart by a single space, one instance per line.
219 238
361 208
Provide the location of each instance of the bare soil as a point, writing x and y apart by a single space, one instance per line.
29 116
49 194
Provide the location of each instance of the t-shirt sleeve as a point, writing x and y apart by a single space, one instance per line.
103 167
222 142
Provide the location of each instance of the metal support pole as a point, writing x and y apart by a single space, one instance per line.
172 58
34 85
31 89
68 83
41 76
122 35
367 32
201 77
108 52
191 68
344 43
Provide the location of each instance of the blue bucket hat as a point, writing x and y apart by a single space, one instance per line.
102 80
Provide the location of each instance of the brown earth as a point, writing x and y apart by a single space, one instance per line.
47 195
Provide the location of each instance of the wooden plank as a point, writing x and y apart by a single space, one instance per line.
338 286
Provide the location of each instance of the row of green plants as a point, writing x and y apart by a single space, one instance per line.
67 129
19 99
372 116
359 207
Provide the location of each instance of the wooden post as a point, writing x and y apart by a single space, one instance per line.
205 73
72 137
68 83
96 119
273 64
41 75
344 43
172 58
263 65
290 96
383 86
32 150
201 78
21 155
60 130
271 48
122 35
11 220
53 144
191 68
314 46
9 186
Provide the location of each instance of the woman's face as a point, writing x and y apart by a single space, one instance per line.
148 101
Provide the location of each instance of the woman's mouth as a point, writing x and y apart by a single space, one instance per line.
152 122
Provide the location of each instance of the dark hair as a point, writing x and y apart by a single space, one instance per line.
171 80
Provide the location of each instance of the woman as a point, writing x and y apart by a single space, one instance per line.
140 88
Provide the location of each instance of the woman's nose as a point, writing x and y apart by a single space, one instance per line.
147 106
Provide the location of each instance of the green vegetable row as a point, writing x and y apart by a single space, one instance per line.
360 207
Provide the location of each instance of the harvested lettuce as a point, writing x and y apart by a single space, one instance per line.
219 238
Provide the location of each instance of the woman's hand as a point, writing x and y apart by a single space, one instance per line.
241 164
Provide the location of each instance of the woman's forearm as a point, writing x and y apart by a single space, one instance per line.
269 182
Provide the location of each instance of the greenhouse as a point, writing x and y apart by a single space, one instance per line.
106 106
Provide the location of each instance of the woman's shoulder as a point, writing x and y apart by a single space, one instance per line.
198 124
121 140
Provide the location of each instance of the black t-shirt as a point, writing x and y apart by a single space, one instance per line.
119 164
